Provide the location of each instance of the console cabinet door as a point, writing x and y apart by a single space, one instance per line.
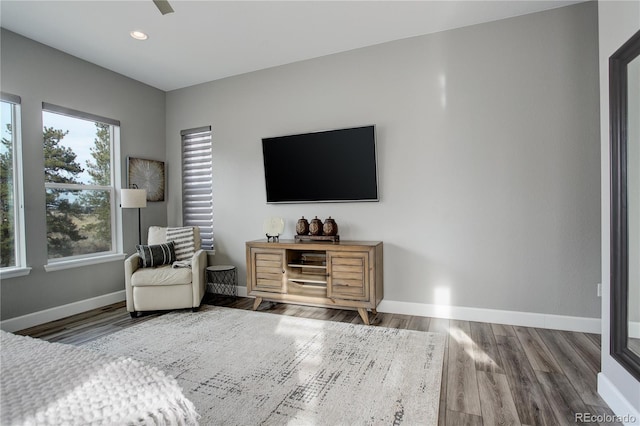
348 275
268 270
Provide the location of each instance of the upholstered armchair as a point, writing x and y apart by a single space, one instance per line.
162 282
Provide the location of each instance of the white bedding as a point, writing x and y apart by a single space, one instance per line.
46 383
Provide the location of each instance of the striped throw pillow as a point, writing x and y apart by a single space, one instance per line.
156 255
184 241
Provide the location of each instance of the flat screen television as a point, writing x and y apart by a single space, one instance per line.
328 166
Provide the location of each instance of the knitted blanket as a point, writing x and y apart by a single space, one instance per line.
53 384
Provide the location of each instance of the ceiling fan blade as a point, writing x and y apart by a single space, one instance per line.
163 6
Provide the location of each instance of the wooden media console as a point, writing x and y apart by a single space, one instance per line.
346 274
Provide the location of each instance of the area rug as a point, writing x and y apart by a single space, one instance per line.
252 368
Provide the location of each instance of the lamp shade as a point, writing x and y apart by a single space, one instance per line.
133 198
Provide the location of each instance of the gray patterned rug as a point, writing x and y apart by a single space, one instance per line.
249 368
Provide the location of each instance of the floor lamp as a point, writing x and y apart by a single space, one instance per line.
134 199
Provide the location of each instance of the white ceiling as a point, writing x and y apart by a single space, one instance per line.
208 40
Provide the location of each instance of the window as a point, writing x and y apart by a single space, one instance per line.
80 151
12 235
197 182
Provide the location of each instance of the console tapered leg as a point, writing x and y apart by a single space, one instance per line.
257 303
364 315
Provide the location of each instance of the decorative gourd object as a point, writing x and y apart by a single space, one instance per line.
315 226
330 227
302 227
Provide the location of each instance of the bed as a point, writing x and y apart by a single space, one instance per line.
43 383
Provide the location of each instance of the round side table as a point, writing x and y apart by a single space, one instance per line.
222 279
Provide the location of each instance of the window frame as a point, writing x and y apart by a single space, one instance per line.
20 268
186 135
116 252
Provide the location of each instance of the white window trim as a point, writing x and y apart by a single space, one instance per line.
77 262
20 268
13 272
117 252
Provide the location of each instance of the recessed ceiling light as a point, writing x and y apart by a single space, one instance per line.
138 35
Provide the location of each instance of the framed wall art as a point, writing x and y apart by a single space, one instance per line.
147 174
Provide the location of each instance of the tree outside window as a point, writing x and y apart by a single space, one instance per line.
79 186
9 209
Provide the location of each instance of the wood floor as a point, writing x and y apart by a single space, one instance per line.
493 374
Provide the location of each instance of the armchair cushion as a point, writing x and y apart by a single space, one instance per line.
156 255
157 235
161 276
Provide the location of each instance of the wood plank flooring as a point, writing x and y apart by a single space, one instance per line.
493 374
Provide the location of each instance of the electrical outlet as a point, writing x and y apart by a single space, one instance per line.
599 289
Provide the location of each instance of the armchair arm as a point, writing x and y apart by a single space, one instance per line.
199 281
131 264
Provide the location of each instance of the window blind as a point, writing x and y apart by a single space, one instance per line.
197 182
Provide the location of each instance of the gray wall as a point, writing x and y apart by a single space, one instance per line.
618 21
38 73
489 158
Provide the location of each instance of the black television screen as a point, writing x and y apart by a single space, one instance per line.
334 165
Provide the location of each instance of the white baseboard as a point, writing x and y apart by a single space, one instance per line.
59 312
629 416
525 319
634 329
